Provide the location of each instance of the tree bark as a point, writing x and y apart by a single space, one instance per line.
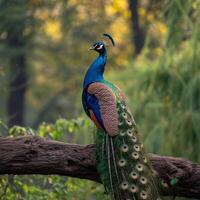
34 155
138 35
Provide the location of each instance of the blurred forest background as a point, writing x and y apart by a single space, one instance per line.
43 58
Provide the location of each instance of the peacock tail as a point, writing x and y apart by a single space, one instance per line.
122 162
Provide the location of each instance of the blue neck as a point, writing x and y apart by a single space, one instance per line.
96 70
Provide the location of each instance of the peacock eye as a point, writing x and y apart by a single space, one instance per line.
97 46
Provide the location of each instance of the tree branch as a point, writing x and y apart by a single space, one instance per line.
34 155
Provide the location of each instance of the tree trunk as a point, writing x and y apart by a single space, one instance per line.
17 89
16 43
138 35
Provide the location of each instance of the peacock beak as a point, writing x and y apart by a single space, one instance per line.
91 48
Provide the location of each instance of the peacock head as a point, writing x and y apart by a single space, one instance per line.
100 46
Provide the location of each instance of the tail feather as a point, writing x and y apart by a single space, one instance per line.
109 165
123 163
115 166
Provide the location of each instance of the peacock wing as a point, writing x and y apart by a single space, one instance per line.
107 105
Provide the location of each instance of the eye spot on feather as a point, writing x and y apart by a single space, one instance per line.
135 155
129 132
134 175
143 180
124 148
143 194
122 162
134 139
124 115
139 167
133 188
124 185
122 132
128 121
136 147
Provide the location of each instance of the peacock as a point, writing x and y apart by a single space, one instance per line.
122 162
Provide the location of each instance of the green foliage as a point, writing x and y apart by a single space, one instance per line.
63 127
49 187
